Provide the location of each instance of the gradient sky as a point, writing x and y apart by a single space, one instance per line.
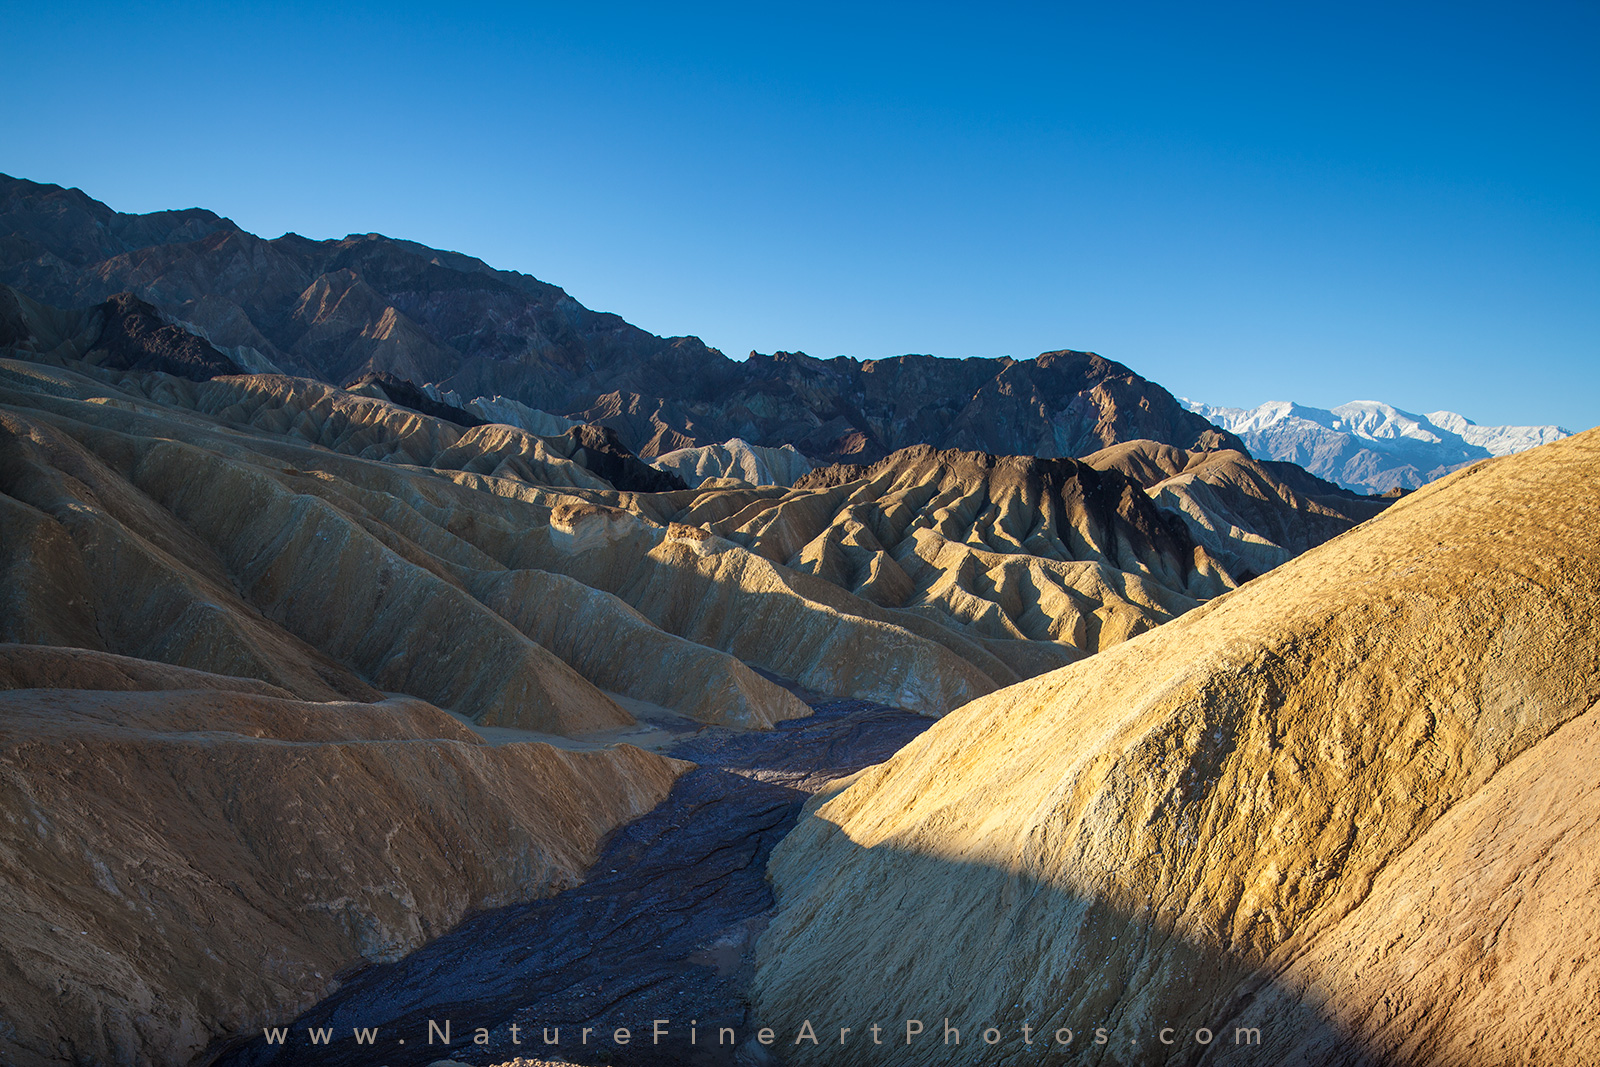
1290 201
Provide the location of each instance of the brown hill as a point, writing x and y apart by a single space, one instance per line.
1349 804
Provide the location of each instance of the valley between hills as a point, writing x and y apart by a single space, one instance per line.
387 639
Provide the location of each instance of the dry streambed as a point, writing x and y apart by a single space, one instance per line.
663 928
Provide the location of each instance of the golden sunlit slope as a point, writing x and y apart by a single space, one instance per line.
1352 804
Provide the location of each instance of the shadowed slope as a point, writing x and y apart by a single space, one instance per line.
662 928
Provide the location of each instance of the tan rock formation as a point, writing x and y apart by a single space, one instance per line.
48 667
927 580
620 650
183 865
164 542
1349 804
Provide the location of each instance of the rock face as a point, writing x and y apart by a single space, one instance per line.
336 310
124 333
187 857
1350 804
1369 446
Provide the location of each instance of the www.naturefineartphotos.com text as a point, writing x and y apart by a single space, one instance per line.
908 1033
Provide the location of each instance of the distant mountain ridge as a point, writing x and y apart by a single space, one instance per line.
337 310
1371 447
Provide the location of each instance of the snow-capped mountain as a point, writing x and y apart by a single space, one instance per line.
1369 446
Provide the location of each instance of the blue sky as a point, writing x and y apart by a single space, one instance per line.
1319 203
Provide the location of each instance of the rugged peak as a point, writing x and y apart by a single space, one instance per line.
137 336
122 333
45 219
600 449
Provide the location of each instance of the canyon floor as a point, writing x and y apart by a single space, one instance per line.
663 927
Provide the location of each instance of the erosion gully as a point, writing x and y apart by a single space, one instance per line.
663 926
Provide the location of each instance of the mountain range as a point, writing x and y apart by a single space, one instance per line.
336 310
217 596
1371 447
339 310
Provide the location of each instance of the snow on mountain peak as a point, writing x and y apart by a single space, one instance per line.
1379 421
1368 445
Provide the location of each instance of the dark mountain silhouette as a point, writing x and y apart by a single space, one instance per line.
339 309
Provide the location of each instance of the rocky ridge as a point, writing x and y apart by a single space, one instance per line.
339 309
1011 549
1250 516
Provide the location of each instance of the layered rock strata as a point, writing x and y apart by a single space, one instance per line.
923 581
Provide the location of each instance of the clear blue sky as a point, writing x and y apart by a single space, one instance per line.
1314 202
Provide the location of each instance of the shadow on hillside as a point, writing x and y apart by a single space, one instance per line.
1024 972
665 926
